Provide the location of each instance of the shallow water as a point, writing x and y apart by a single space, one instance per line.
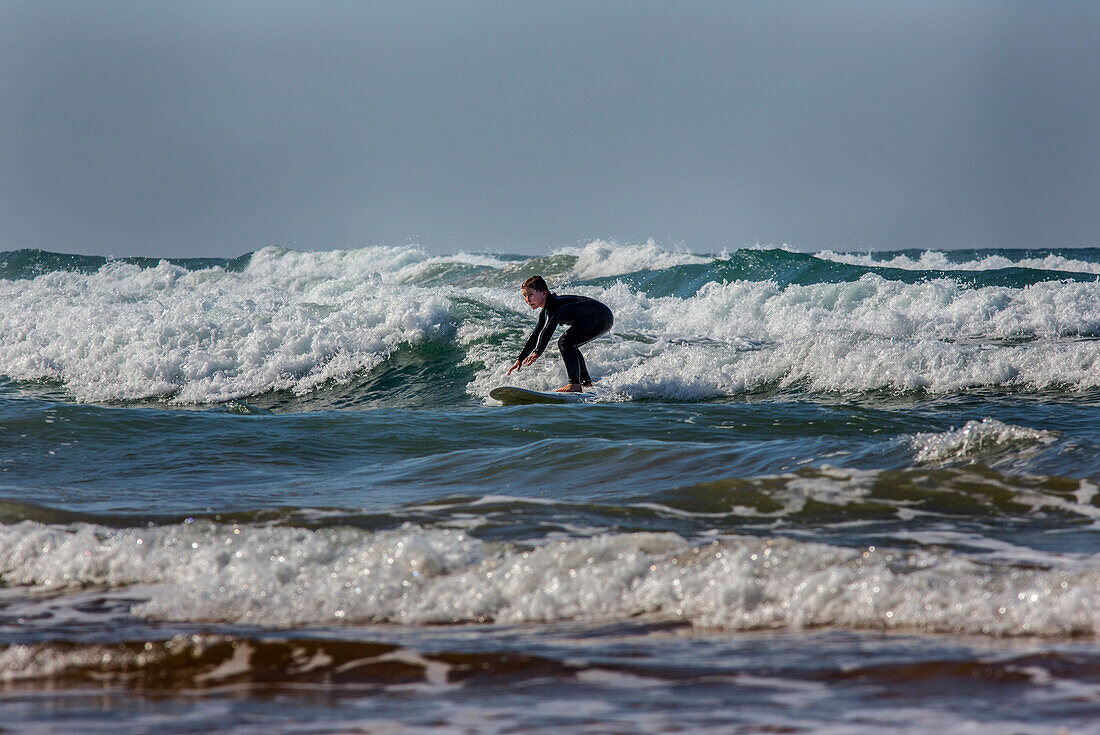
816 493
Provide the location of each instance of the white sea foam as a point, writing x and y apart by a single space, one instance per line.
934 260
977 438
290 321
601 258
409 273
295 321
285 576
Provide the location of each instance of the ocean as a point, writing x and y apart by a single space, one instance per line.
814 493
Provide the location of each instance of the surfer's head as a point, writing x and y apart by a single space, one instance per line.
535 291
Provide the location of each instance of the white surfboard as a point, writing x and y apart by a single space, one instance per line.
510 395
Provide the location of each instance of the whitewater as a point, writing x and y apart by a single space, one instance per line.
289 321
814 492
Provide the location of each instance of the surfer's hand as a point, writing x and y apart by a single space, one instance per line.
515 366
531 359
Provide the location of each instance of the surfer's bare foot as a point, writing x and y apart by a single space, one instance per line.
571 388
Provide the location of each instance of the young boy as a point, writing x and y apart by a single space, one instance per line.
587 318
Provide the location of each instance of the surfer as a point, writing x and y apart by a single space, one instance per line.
587 319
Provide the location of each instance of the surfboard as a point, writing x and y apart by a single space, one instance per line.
510 395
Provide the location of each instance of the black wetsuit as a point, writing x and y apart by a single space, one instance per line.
587 318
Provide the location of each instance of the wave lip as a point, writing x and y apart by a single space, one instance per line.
600 259
933 260
977 438
277 576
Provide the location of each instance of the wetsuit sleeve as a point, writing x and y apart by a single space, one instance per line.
547 332
530 343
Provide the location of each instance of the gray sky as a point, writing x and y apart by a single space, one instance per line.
216 128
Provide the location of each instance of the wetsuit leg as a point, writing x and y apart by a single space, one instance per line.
571 356
583 330
586 379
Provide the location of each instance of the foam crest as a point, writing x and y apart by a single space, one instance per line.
975 439
600 258
298 321
412 575
414 271
293 269
289 321
934 260
392 264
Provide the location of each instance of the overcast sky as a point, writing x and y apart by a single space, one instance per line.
216 128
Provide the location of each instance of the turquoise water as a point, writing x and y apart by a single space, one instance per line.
815 493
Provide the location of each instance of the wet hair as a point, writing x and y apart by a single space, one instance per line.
536 283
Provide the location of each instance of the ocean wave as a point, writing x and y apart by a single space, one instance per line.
412 575
205 661
600 259
938 261
671 486
977 439
695 328
211 335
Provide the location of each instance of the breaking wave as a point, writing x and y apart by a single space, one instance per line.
278 576
688 327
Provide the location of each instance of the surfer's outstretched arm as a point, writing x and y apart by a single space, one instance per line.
526 356
523 363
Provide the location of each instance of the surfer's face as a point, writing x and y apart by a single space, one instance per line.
535 299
